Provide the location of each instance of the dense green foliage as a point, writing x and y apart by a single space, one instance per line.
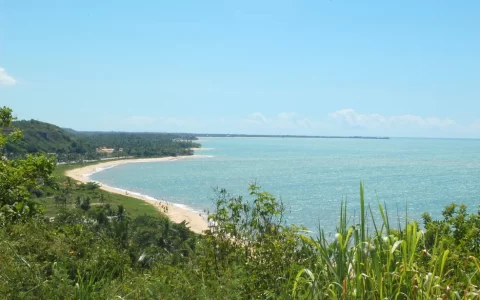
18 178
94 248
67 194
141 144
388 263
68 145
46 138
101 253
78 256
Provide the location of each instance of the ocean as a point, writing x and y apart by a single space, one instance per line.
313 176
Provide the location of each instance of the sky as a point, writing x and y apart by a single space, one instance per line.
333 67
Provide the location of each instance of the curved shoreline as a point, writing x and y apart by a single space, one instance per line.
176 214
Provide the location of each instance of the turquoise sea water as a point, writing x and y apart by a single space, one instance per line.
312 176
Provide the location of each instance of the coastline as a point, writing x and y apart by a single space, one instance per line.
175 213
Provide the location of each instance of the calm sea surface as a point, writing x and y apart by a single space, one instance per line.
312 176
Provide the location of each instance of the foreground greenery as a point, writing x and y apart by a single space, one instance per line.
100 250
251 254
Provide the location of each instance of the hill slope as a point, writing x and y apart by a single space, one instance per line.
44 137
70 145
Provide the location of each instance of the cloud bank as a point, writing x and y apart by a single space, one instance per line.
344 122
351 119
157 123
5 78
283 123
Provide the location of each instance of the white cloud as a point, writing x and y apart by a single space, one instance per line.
283 123
343 122
347 121
159 121
6 79
475 125
257 117
287 115
351 119
304 123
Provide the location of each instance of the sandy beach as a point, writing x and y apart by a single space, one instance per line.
196 223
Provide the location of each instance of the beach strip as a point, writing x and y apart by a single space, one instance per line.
176 214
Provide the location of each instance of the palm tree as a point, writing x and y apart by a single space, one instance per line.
120 212
102 198
85 204
69 182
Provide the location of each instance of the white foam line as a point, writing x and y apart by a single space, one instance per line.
97 170
144 196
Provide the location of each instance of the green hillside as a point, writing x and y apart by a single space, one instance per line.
69 145
44 137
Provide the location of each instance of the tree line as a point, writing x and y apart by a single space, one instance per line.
68 145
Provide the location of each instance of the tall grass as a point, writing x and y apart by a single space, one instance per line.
385 264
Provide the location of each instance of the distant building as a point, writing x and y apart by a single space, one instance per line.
105 150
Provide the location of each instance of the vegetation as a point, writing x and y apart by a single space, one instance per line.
141 144
68 145
67 193
18 178
92 248
40 137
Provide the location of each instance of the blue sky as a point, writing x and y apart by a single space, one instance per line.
394 68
